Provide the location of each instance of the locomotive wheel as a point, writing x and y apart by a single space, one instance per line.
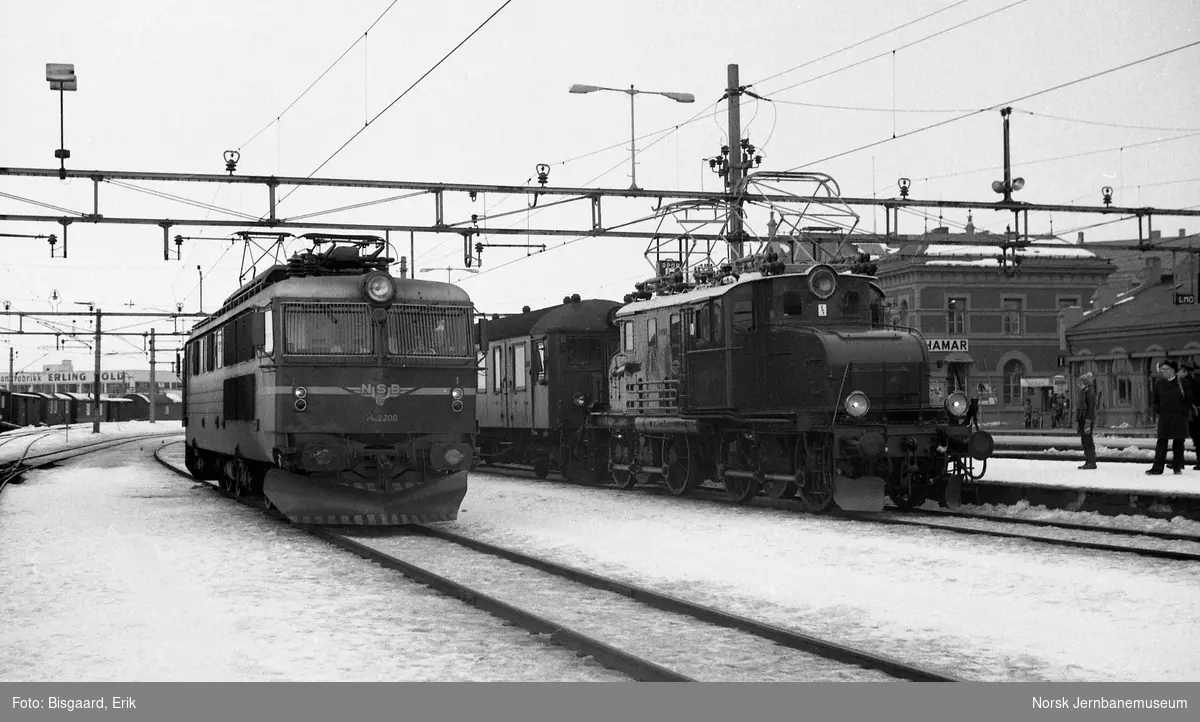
621 452
815 474
681 470
778 489
740 489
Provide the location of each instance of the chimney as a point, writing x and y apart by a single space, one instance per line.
1079 242
1182 232
1155 235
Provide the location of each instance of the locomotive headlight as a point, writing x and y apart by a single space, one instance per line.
822 282
956 403
857 404
579 399
379 288
300 392
456 394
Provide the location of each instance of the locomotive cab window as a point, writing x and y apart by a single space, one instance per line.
429 331
652 332
793 303
328 329
627 335
851 304
481 375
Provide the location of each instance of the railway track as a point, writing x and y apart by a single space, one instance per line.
658 637
1159 545
11 472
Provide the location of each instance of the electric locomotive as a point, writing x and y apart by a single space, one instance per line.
780 379
336 390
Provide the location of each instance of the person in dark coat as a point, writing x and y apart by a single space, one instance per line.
1193 376
1173 404
1085 419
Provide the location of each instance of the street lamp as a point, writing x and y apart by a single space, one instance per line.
201 288
61 77
448 269
677 97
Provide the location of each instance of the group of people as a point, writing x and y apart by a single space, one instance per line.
1176 403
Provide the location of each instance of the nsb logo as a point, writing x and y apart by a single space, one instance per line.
380 392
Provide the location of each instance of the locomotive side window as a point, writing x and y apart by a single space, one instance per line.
219 355
194 356
518 367
743 316
269 337
481 375
652 332
210 355
497 368
700 324
718 321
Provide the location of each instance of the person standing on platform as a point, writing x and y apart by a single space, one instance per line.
1192 376
1173 405
1085 419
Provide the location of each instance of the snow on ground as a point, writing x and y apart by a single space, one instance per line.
985 608
116 569
43 439
1116 478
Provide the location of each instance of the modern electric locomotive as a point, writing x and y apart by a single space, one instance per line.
341 393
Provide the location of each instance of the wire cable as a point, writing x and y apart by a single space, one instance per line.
401 96
1060 86
322 75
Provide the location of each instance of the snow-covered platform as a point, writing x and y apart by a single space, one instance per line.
1113 488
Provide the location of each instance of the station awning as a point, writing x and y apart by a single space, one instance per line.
958 357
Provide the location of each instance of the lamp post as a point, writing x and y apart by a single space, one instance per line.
201 273
61 77
448 269
631 91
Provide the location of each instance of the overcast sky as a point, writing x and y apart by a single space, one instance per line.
168 86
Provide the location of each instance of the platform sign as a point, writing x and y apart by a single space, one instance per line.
1184 298
947 344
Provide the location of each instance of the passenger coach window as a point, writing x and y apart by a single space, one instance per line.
497 368
519 371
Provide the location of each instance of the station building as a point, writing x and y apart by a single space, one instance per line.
1147 314
991 322
64 378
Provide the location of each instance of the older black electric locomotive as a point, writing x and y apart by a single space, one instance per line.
340 392
771 378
